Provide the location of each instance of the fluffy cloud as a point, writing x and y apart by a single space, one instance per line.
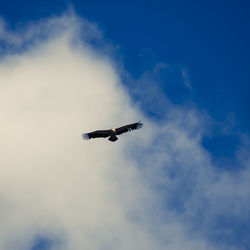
153 189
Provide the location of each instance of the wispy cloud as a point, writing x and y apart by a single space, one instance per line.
154 189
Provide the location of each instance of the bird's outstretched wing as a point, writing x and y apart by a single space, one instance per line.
96 134
128 127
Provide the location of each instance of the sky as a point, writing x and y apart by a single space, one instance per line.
181 182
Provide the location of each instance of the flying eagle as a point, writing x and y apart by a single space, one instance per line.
112 133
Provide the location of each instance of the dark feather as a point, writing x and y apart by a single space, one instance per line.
96 134
129 127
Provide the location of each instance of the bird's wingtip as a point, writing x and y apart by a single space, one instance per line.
139 124
85 136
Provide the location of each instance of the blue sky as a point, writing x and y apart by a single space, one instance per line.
178 55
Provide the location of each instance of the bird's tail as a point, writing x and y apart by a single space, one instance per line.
113 138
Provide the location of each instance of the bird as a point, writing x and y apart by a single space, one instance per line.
112 133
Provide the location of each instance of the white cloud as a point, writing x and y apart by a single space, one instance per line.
97 194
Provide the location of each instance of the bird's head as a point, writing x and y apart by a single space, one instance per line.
113 129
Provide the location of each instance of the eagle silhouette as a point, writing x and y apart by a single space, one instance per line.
112 133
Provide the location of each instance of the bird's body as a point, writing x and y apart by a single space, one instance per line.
113 136
112 133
